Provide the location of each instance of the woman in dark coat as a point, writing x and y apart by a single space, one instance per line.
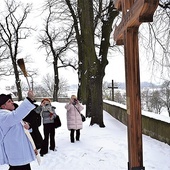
34 120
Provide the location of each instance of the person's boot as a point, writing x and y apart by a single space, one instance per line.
77 138
77 135
72 138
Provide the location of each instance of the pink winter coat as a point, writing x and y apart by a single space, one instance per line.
74 120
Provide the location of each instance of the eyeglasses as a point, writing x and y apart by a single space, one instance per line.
9 101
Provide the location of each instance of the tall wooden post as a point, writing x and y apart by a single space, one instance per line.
134 12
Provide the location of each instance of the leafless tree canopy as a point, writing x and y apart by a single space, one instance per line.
12 30
155 38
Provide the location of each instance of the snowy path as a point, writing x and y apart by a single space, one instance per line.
99 148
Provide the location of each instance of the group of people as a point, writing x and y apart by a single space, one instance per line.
15 147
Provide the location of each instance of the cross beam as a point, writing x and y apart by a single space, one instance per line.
134 12
133 15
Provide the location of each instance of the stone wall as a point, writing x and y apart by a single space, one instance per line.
154 128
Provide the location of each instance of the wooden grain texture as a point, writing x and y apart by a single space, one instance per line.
140 11
134 12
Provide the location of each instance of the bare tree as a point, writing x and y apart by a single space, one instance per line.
165 4
155 38
95 19
63 87
92 22
47 87
12 30
120 97
57 40
4 69
156 102
145 96
165 95
105 91
48 84
40 91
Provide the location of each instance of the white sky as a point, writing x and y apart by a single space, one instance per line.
114 70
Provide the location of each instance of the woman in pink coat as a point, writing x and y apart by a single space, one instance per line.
74 121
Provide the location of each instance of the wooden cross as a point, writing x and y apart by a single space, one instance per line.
134 12
113 87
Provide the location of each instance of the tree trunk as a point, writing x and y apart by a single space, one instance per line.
56 80
18 86
96 104
91 81
91 69
17 80
168 111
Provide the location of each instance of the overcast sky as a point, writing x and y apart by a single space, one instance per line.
114 70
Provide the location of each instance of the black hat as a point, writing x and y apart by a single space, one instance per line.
4 98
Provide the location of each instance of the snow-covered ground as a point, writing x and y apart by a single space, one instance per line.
99 148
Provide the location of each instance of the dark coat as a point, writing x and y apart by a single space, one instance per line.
34 120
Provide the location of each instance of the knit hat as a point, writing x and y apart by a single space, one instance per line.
4 98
